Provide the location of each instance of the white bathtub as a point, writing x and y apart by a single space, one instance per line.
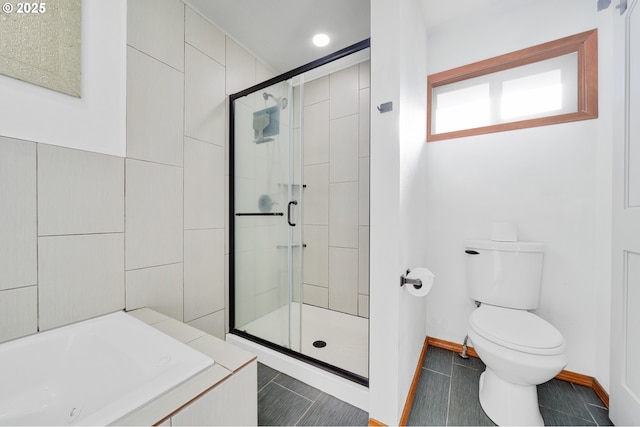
90 373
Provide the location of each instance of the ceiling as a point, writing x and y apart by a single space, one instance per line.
279 32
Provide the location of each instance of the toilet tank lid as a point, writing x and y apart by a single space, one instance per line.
518 246
516 329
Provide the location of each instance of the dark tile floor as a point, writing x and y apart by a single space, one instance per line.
285 401
448 395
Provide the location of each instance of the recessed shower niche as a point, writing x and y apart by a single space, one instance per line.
299 213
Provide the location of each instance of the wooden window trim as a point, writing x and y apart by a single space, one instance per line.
585 44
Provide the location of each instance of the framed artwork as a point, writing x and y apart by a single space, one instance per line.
40 43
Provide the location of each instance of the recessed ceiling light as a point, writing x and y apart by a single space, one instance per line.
321 40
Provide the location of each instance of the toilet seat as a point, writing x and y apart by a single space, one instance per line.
517 329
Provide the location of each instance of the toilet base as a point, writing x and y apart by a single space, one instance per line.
506 403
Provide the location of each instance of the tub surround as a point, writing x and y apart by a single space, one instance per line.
136 368
222 394
92 372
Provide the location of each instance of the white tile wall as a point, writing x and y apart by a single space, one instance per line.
336 172
204 190
363 306
79 277
159 288
364 71
241 68
263 72
79 192
155 105
343 214
363 260
268 237
204 97
316 295
316 91
203 272
343 280
267 302
18 233
316 201
157 28
316 133
363 122
344 92
245 278
18 312
154 212
343 147
204 36
316 255
363 191
213 324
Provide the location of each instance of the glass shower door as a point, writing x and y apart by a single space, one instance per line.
266 214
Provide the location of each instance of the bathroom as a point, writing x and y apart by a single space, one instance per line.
554 182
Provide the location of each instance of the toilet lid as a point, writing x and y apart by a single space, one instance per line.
516 329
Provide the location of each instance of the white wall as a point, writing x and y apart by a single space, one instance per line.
547 180
397 321
413 203
94 122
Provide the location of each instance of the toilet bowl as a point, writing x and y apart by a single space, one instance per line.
520 351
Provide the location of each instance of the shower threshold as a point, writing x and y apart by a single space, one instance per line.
303 368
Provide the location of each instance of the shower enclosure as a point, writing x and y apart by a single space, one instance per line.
299 209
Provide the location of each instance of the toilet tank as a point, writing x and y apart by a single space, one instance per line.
506 274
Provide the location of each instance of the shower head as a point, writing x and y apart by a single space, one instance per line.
281 101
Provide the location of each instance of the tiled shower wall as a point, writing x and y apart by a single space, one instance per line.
84 234
336 174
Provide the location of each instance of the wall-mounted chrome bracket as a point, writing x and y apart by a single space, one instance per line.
417 283
385 107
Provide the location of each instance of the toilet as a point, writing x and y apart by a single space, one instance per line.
520 350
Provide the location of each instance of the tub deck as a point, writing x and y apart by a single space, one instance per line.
91 373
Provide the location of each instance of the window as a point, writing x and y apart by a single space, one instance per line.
555 82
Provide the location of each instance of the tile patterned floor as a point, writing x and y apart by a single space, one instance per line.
285 401
447 395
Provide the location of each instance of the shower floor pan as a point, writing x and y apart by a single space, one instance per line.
346 336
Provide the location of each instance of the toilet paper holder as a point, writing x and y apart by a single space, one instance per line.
417 283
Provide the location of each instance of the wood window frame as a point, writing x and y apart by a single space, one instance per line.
584 44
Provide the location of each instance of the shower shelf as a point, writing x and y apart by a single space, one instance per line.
292 185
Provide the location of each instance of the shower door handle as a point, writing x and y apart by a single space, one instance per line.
293 202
